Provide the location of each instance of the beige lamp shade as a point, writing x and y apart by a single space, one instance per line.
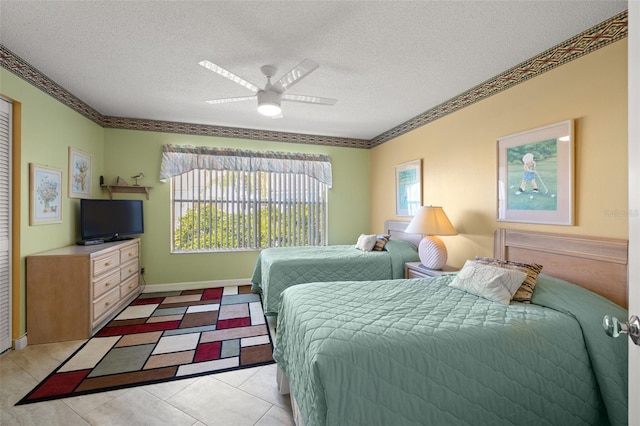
431 221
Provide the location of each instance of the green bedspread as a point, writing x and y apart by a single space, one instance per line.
410 352
279 268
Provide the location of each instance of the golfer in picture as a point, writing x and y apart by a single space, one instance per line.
529 175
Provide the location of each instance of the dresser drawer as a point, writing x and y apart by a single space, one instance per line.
104 263
128 253
105 284
105 304
129 269
129 287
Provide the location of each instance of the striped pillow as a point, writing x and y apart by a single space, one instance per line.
524 293
381 241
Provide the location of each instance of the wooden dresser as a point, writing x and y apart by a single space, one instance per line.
73 291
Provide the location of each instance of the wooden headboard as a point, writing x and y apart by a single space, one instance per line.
598 264
396 228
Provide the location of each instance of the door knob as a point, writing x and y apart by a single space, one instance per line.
613 327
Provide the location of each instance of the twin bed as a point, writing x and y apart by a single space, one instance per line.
408 352
280 268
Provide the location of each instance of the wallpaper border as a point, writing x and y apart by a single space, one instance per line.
229 132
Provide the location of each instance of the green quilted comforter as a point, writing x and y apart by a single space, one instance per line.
417 352
279 268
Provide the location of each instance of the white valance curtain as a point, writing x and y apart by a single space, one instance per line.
177 159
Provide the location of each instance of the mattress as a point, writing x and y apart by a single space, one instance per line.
279 268
410 352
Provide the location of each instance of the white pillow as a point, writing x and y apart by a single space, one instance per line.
366 242
490 282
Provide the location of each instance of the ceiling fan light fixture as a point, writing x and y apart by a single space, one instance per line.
270 98
269 109
269 103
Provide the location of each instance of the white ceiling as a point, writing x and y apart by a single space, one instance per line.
385 61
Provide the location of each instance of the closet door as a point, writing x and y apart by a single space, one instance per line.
5 225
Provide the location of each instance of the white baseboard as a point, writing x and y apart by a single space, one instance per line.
21 343
196 285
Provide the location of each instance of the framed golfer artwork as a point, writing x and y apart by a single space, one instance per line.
535 175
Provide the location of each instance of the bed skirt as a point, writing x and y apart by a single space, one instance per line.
284 388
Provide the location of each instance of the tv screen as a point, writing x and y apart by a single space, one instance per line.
110 219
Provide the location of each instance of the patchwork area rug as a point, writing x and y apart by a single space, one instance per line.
166 336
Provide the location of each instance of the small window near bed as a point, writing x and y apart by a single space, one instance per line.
245 200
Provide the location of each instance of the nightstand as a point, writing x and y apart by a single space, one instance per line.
416 270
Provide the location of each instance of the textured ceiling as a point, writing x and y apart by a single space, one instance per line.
386 61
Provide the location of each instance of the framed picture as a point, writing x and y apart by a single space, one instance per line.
45 195
408 187
535 176
79 174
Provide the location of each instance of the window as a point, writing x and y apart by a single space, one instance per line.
268 202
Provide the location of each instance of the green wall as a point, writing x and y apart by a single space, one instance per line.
127 152
49 128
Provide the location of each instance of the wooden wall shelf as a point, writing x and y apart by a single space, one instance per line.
129 189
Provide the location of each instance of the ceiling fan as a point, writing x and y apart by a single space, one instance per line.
270 98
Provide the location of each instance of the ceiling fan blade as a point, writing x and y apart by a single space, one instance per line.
298 72
308 99
227 100
228 74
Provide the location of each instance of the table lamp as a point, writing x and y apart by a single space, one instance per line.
431 221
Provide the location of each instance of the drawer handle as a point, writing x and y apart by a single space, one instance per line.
107 284
131 253
107 303
132 269
132 285
107 263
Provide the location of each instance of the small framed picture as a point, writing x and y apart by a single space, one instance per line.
535 176
45 195
408 188
79 174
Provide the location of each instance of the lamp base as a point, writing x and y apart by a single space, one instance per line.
432 252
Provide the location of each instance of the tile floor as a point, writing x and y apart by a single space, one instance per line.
237 398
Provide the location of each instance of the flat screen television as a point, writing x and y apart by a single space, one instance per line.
110 220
